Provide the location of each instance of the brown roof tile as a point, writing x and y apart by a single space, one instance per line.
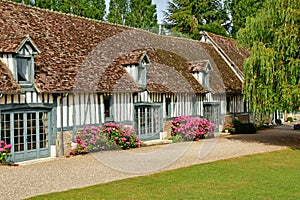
198 66
11 43
229 47
64 40
231 82
131 58
7 82
169 72
82 54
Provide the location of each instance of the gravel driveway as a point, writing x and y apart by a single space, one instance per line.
62 174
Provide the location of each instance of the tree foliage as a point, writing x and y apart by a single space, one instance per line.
141 14
192 16
272 71
86 8
240 10
118 10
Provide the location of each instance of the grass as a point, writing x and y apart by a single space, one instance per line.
274 175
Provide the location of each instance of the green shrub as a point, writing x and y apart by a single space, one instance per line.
247 128
278 121
290 119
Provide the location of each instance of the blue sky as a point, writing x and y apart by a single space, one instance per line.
160 5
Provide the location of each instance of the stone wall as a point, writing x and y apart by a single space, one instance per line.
67 140
167 129
244 118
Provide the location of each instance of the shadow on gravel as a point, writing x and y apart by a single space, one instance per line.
271 136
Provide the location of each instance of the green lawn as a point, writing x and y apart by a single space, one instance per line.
274 175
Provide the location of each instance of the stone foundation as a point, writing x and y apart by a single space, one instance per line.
67 140
244 118
167 130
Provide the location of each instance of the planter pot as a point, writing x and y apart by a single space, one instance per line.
296 127
226 131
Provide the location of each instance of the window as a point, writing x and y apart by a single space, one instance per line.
245 106
141 76
24 64
206 81
107 106
228 104
23 69
195 105
168 107
108 111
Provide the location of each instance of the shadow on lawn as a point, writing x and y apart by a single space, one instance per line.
271 136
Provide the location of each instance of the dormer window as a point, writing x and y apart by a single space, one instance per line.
200 71
23 70
136 65
24 63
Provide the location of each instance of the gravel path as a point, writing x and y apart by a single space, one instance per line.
66 173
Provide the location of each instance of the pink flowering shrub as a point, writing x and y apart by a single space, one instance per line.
4 152
192 128
122 137
229 127
80 148
96 139
108 136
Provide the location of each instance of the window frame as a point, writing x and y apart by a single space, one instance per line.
28 70
108 117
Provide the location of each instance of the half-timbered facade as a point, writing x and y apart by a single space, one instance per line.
231 60
61 73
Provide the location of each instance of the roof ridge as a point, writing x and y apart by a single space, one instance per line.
221 36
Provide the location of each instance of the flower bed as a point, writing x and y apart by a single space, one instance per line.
5 153
192 128
106 137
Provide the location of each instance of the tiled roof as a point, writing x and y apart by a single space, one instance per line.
198 66
131 58
229 47
169 73
231 82
83 54
7 82
64 40
11 43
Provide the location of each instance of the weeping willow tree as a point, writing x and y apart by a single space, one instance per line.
272 71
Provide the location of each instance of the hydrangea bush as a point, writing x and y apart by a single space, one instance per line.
123 137
80 147
4 152
192 128
229 127
106 137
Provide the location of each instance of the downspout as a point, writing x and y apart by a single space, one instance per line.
61 126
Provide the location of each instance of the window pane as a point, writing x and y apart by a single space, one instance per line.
22 68
43 123
107 106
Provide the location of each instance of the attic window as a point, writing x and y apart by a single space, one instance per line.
23 69
24 63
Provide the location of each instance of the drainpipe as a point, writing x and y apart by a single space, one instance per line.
61 125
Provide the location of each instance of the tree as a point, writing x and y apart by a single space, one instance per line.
94 9
118 10
192 16
141 14
240 10
272 71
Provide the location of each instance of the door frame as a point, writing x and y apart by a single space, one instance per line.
157 126
29 154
